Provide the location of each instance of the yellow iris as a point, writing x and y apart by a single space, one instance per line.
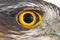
34 23
24 23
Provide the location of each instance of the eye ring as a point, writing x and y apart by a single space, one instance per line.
21 22
40 19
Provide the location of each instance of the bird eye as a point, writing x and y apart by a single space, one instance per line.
28 18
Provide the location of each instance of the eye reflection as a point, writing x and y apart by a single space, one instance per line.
28 18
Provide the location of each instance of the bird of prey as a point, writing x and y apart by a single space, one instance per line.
29 20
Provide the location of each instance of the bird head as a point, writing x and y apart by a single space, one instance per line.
29 20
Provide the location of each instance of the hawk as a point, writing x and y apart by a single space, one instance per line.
29 20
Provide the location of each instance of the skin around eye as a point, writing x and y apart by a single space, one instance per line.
29 16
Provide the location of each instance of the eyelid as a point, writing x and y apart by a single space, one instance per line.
19 18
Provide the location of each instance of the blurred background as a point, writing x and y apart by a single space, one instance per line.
56 2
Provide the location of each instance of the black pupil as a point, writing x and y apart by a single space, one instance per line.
28 18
